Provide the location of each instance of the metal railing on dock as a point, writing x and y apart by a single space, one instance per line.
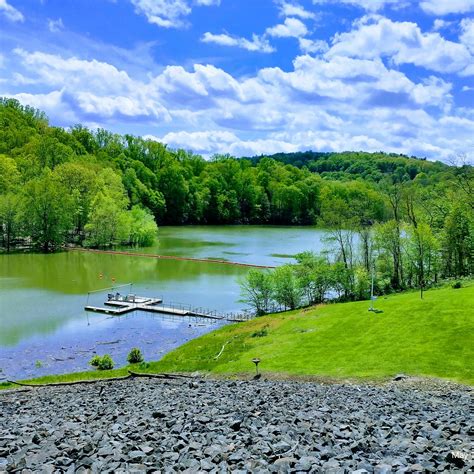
118 305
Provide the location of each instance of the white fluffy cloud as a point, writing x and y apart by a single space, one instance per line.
403 43
467 35
211 142
313 46
208 3
369 5
257 43
290 28
169 13
350 95
92 87
445 7
295 10
10 12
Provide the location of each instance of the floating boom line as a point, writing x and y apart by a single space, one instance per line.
115 287
171 257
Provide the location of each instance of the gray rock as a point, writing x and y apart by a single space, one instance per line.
218 426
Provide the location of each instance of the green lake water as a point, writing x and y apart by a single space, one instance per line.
44 329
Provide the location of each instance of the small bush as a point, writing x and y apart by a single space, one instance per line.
106 363
135 356
102 363
144 365
261 333
456 285
95 361
38 364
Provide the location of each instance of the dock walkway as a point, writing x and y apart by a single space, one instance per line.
119 307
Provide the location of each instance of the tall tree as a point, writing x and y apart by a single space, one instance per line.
46 211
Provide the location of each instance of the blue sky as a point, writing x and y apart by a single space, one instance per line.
250 76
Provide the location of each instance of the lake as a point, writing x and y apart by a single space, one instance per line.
44 328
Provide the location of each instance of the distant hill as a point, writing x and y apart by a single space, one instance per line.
349 165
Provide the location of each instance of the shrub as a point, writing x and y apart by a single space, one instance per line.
102 363
135 356
95 361
456 285
106 363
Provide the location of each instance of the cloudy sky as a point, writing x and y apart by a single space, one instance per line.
250 76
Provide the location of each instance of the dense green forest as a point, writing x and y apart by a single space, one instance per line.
96 188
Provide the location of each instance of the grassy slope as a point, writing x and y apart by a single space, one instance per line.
430 337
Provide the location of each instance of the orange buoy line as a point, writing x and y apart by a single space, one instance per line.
170 257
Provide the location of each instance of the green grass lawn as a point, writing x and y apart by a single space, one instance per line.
430 337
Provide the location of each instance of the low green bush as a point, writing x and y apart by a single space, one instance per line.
102 363
95 361
456 285
135 356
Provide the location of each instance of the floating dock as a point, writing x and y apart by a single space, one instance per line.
118 306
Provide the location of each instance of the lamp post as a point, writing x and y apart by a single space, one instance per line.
256 361
372 291
372 296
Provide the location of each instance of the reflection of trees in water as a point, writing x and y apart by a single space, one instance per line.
18 329
76 272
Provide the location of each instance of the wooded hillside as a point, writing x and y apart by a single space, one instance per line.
97 188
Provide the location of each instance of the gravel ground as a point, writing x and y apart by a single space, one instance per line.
148 425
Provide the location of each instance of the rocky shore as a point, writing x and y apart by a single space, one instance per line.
148 425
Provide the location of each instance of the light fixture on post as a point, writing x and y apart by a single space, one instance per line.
256 361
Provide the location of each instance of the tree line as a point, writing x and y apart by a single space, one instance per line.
427 237
413 217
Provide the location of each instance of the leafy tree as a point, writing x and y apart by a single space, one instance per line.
9 219
9 174
423 252
46 210
286 290
143 228
388 246
80 183
314 276
458 242
108 222
257 290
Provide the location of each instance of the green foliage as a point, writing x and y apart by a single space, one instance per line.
344 340
135 356
46 211
456 285
104 362
260 333
361 344
143 228
10 222
286 291
38 364
95 361
100 189
257 290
